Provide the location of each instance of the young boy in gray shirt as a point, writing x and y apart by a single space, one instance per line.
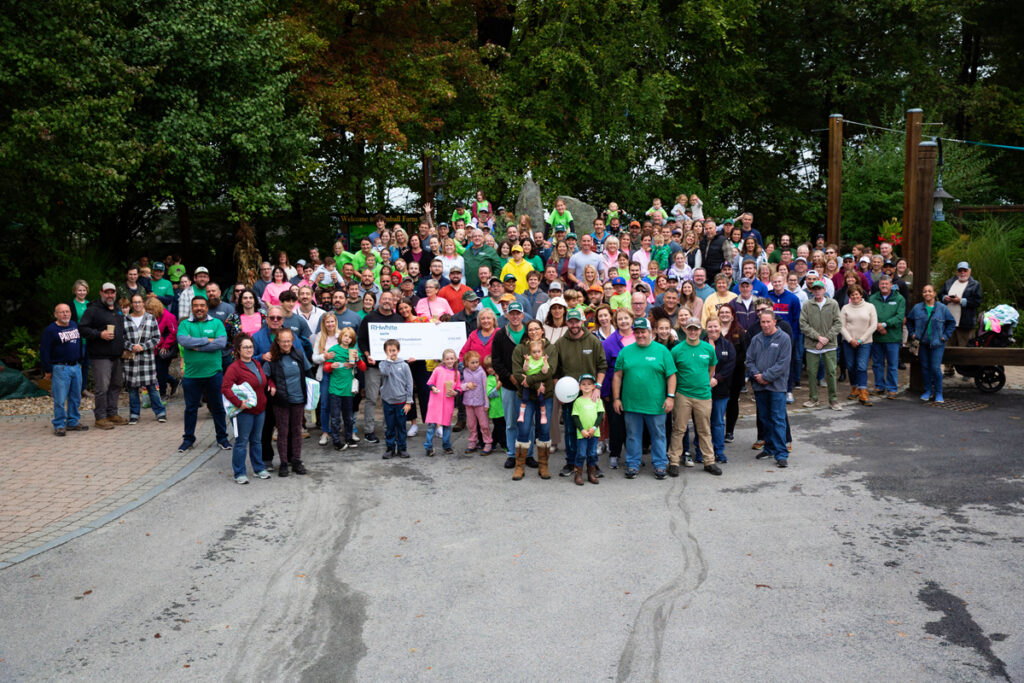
395 398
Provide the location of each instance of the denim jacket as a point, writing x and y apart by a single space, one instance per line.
941 328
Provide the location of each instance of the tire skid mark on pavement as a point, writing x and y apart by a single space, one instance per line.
641 655
306 608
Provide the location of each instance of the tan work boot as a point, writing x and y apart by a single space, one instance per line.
865 400
543 453
117 420
592 474
104 423
521 452
577 475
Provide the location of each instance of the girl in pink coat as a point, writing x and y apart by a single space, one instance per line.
444 385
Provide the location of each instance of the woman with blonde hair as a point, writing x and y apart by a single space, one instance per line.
325 338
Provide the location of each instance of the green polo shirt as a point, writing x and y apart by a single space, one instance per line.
644 373
693 369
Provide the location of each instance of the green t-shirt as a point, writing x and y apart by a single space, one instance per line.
465 215
556 219
494 406
174 272
588 411
341 377
618 301
201 364
775 256
693 365
516 336
162 287
80 307
534 366
644 373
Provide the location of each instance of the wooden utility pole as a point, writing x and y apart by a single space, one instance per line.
920 256
913 139
835 179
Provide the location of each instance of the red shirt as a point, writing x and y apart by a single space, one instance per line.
453 295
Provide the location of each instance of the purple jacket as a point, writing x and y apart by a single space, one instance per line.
612 345
476 396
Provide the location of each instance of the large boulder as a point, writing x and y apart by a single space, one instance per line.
583 215
530 203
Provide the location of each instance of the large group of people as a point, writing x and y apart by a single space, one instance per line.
663 321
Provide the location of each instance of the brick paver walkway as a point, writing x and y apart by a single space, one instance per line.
55 487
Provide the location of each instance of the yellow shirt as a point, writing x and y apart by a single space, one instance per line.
711 306
519 270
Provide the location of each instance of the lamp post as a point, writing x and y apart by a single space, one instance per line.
940 193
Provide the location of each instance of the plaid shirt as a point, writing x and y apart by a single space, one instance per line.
141 370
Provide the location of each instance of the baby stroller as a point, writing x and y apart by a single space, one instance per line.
997 326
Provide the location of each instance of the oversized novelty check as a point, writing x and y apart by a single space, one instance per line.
422 341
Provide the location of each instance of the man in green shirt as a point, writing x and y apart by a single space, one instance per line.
643 391
202 339
161 286
695 371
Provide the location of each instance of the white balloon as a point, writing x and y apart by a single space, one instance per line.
567 390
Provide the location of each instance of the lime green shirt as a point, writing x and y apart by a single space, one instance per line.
465 215
618 301
589 412
174 272
645 371
556 219
693 369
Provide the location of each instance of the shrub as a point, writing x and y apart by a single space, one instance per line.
995 250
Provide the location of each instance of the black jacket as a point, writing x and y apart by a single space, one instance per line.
501 357
726 354
971 302
94 322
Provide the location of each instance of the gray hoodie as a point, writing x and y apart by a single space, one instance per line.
396 381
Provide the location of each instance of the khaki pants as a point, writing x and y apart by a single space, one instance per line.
701 411
960 337
829 359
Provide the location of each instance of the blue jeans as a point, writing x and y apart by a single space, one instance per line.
542 431
446 436
510 406
771 406
325 402
885 357
135 402
66 385
570 435
635 423
718 406
250 430
931 367
586 451
194 388
796 362
394 426
340 408
857 364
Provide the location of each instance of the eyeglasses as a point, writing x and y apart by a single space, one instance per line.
275 317
246 346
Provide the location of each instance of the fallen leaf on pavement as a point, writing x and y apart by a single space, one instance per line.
87 592
761 585
156 635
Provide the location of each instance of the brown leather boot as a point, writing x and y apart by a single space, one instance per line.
543 453
521 451
577 475
117 420
592 474
865 400
104 423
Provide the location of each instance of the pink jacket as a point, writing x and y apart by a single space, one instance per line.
441 407
168 326
474 343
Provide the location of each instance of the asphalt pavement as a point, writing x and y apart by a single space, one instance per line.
891 548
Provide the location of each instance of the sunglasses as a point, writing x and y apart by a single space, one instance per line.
275 317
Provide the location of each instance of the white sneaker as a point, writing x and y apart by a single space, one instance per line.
355 436
688 461
241 479
263 474
789 397
834 405
823 383
324 438
413 431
